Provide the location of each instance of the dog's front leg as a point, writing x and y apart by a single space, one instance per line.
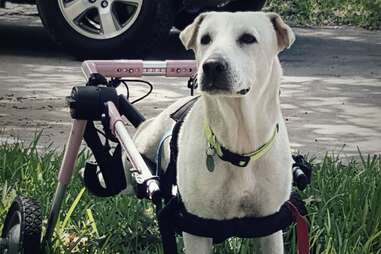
197 245
272 244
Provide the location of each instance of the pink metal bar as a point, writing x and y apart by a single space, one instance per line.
181 68
136 159
88 67
114 116
138 68
71 151
114 68
120 131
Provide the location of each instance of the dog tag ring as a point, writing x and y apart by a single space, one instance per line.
210 151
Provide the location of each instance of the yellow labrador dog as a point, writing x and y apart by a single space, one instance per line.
239 77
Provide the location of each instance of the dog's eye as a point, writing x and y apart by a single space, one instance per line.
205 39
247 38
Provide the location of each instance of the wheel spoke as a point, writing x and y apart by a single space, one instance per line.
108 23
100 19
75 8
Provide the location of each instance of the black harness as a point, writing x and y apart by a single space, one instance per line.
173 217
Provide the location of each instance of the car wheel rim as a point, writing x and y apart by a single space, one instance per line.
100 19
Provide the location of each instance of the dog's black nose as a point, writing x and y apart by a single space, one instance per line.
214 67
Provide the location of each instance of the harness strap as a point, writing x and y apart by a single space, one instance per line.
220 230
168 179
301 229
181 112
110 166
167 226
177 219
159 152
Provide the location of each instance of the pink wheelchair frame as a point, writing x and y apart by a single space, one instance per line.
113 69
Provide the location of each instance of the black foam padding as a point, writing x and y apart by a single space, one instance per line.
88 102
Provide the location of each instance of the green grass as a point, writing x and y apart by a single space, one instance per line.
344 204
363 13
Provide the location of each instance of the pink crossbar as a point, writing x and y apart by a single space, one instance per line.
138 68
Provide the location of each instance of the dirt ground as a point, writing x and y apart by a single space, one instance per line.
331 91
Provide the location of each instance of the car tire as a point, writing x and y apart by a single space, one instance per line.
86 37
245 5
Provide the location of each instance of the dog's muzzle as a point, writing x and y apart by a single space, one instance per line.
215 75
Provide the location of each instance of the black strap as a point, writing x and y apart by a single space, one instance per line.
111 166
167 226
182 112
220 230
168 180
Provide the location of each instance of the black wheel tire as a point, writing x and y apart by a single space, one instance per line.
149 31
27 213
245 5
185 18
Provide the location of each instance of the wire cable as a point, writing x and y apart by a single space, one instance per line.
124 81
127 89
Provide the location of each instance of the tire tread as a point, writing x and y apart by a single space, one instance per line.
31 223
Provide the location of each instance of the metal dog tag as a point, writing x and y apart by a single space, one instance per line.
210 163
209 158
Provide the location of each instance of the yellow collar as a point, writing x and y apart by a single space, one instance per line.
241 160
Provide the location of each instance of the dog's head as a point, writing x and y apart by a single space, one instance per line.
235 51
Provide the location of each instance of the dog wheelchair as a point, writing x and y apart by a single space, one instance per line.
99 101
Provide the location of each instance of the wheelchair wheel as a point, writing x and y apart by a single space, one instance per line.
22 228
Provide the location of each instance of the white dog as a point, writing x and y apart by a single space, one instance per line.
239 77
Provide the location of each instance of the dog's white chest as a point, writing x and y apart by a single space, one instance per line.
228 191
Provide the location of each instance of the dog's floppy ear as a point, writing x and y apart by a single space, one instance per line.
189 34
285 35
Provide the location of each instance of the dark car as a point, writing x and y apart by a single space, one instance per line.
106 28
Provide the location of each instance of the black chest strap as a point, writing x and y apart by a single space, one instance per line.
220 230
